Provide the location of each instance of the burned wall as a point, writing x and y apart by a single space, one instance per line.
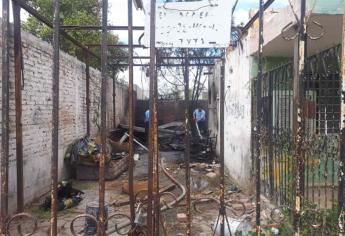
37 112
168 110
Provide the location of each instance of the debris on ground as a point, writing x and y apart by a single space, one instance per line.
68 197
138 186
113 169
182 217
83 157
83 150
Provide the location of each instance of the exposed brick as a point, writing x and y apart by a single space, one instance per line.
37 112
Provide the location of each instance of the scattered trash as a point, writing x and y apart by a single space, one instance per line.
233 189
113 169
138 186
92 208
181 217
237 226
211 175
207 192
84 149
275 231
136 157
68 197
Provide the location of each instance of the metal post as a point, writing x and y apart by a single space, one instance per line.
55 131
298 126
221 146
341 191
156 157
270 135
5 114
151 139
18 104
87 71
104 52
259 118
130 111
187 140
114 99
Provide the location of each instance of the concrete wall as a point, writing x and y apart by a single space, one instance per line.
37 113
237 121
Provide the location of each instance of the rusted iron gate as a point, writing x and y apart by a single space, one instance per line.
298 141
153 201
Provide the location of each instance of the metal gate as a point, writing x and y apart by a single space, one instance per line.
321 139
150 206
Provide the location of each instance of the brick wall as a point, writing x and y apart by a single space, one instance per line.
37 112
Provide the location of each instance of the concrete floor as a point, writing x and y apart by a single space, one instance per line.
202 185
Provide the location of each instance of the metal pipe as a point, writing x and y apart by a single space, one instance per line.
95 27
341 191
255 17
222 211
115 45
55 129
156 156
173 57
45 21
167 65
259 118
131 112
270 136
87 71
298 121
114 99
126 135
5 114
18 104
104 53
151 138
187 141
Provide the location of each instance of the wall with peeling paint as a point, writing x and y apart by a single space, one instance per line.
238 114
237 121
37 113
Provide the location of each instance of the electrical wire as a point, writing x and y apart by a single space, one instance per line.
196 9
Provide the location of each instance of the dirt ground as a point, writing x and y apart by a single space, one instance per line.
204 184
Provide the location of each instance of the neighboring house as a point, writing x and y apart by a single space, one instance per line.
321 106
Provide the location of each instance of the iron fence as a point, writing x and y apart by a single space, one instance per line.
321 120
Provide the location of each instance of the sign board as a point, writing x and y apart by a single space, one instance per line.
197 24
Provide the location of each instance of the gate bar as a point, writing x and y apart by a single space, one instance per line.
5 114
130 112
187 141
156 159
298 125
259 114
45 21
104 54
55 129
87 72
222 210
341 191
114 98
151 138
95 27
18 66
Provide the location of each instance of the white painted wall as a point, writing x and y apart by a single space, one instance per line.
238 114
